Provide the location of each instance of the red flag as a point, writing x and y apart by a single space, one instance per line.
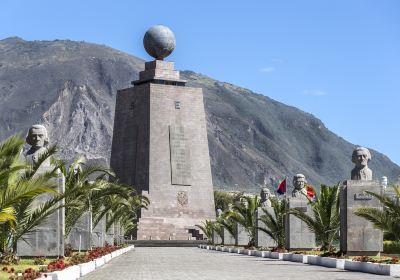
282 187
310 191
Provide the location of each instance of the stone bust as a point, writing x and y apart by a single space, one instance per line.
299 184
219 212
360 157
384 182
38 139
265 197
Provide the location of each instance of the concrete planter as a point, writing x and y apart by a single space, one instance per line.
287 257
276 255
265 254
85 268
340 263
107 258
298 258
70 273
322 261
99 262
244 251
258 253
373 268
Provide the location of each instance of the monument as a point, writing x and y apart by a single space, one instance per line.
262 239
160 145
47 239
298 235
357 235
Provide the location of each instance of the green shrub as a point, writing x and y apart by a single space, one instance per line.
391 247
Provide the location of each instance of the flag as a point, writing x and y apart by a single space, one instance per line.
310 191
282 187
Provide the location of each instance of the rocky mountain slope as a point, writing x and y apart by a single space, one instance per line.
254 140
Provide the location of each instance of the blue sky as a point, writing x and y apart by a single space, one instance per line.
339 60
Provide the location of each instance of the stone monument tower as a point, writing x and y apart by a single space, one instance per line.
160 145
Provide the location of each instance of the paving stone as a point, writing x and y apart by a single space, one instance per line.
194 263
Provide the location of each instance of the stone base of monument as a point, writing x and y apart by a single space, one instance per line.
79 237
163 229
298 235
229 239
357 235
242 237
263 239
47 239
216 238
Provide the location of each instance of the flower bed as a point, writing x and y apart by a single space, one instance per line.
382 266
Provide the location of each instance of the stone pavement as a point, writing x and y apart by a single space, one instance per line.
194 263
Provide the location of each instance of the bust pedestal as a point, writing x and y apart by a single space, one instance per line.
47 239
263 239
357 235
298 235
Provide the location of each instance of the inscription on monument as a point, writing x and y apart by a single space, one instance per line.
180 156
362 196
301 209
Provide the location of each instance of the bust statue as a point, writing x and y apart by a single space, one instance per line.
384 182
39 140
265 197
360 158
299 184
219 212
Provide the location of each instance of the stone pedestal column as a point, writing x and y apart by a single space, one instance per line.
216 238
298 236
357 235
47 239
80 235
242 237
263 239
229 239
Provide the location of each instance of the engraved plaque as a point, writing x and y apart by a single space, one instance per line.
301 209
180 156
362 196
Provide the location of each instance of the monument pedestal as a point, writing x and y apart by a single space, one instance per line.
357 235
298 235
47 239
79 236
263 239
242 237
229 239
160 147
216 238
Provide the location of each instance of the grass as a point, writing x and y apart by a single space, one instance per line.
23 264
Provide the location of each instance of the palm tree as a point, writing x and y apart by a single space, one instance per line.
207 228
20 184
245 214
100 198
275 222
325 221
388 219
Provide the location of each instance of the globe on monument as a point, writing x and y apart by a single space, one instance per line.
159 41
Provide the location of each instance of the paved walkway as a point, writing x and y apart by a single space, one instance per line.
199 264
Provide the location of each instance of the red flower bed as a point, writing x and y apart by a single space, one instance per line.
57 265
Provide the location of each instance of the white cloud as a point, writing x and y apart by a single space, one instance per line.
268 69
314 92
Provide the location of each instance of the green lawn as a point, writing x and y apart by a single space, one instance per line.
23 264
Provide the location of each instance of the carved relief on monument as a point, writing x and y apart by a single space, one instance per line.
180 156
182 198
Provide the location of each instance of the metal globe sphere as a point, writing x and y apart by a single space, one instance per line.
159 41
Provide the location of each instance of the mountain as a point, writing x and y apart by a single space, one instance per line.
71 87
